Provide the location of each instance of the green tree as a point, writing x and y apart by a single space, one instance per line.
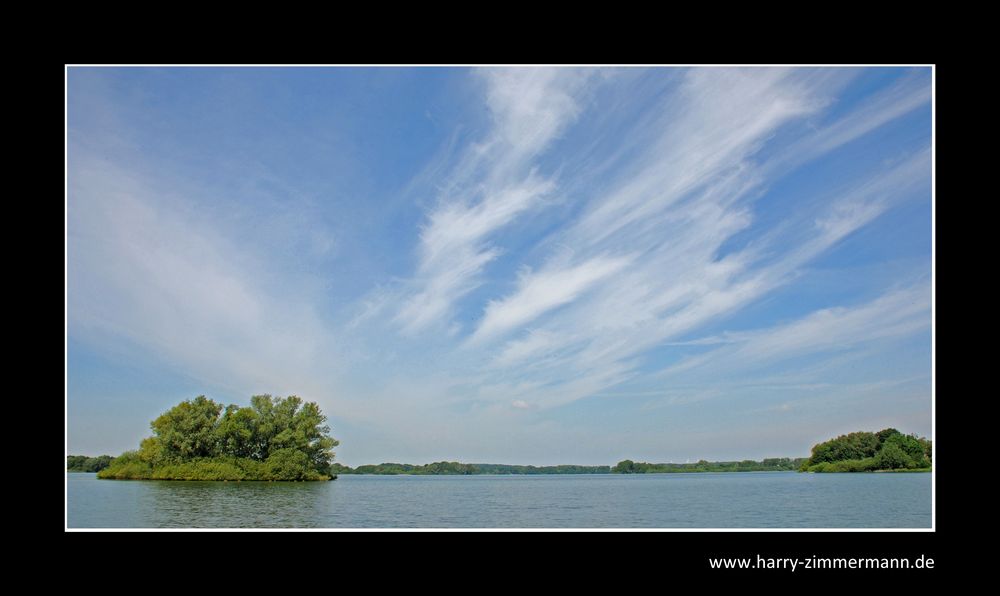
288 423
911 446
626 466
235 432
892 457
857 445
289 464
885 434
187 430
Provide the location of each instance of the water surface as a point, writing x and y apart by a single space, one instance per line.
704 500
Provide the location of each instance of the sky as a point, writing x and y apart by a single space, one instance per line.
504 265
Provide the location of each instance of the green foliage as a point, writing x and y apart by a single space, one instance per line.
282 465
127 466
187 430
151 451
857 445
892 457
201 469
506 469
456 468
852 453
913 447
235 431
336 468
885 433
848 465
273 439
82 463
773 464
436 468
449 467
290 464
626 466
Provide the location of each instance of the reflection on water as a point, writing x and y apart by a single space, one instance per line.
765 499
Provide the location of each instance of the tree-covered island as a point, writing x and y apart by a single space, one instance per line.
272 439
882 451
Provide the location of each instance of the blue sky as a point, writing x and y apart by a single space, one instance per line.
510 265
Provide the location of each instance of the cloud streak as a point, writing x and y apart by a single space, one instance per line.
680 210
493 184
169 282
898 313
540 292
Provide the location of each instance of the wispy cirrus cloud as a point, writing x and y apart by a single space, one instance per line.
146 270
541 255
678 212
542 291
493 183
898 313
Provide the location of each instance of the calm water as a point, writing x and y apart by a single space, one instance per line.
733 500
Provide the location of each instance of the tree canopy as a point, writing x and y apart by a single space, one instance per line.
274 438
887 449
83 463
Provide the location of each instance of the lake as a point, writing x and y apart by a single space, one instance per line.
704 500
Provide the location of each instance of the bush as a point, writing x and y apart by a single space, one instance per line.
867 464
289 464
284 464
205 469
892 457
127 466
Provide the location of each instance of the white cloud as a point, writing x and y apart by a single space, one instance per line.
905 96
492 184
718 118
896 314
688 200
145 270
534 343
543 291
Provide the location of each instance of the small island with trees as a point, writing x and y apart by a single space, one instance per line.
887 450
273 439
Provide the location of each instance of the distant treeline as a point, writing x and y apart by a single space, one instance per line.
82 463
625 467
455 468
774 464
888 449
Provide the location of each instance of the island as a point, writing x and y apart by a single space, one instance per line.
887 450
274 438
